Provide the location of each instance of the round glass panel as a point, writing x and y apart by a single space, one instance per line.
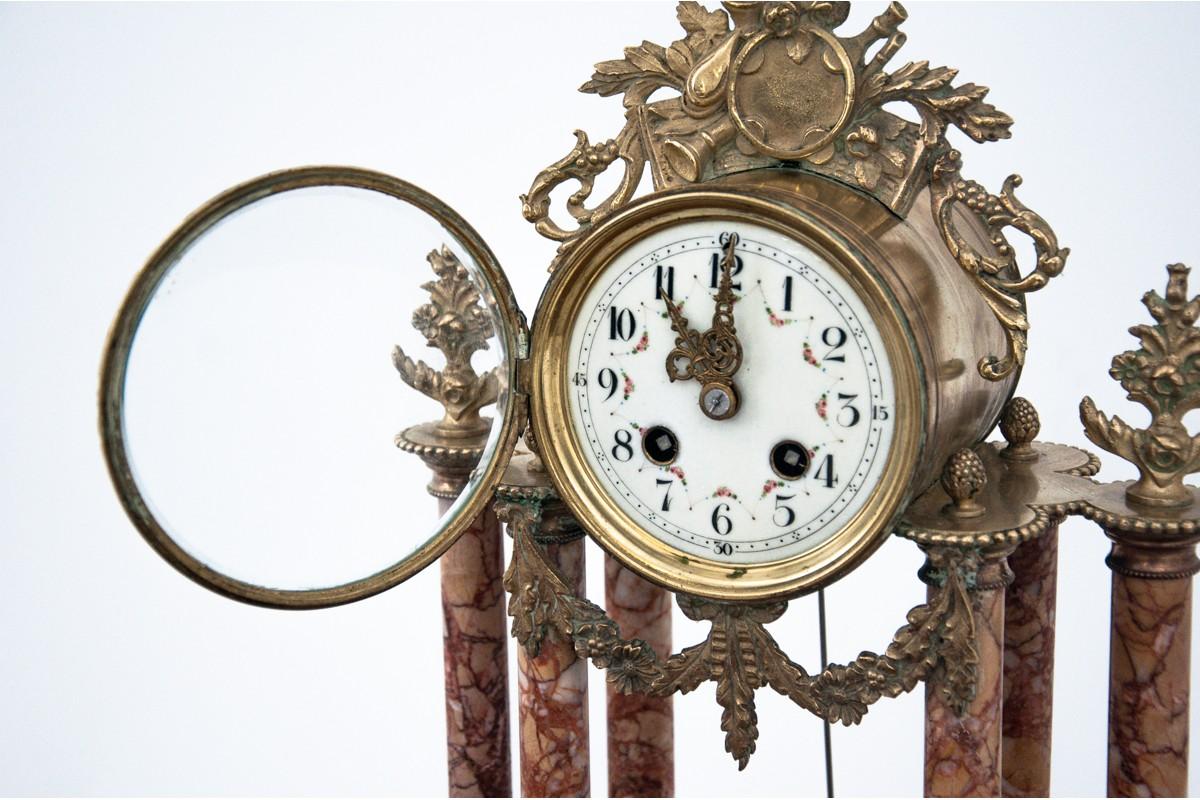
252 394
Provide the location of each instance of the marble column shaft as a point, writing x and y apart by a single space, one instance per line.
553 706
475 639
1029 609
962 754
1148 687
641 732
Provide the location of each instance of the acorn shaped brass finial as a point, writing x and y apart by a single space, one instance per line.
963 478
1019 425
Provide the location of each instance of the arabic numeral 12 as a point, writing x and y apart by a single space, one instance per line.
733 273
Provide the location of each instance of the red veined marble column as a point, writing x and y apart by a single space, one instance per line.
962 754
1029 606
1153 559
1149 675
641 732
553 706
475 647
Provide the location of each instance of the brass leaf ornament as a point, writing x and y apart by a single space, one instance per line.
739 655
1164 376
455 322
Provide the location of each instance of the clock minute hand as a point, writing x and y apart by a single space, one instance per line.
721 344
724 299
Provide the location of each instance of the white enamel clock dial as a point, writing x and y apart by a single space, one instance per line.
816 402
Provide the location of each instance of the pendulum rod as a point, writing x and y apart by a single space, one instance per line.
825 722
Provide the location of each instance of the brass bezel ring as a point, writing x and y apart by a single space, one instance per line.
119 346
562 452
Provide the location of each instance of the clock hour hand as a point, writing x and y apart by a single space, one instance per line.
712 358
682 360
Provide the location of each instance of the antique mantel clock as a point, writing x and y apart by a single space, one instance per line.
738 386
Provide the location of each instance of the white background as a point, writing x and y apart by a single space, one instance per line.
119 676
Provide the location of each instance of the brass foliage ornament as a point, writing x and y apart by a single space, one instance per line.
739 655
997 277
1164 376
455 322
778 87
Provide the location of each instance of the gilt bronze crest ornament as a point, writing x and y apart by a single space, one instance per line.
769 84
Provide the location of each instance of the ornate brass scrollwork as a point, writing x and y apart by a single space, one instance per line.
739 655
997 277
583 164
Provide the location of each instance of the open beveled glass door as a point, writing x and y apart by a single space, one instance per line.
248 407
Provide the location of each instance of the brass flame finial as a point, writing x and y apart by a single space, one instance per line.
455 322
1019 424
1164 376
963 478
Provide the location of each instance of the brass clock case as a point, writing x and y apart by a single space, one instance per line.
510 333
580 487
950 321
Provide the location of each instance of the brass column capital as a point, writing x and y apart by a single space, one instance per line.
1152 543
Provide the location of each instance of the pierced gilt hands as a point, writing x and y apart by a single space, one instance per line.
712 358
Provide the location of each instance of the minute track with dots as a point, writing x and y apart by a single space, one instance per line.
816 388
